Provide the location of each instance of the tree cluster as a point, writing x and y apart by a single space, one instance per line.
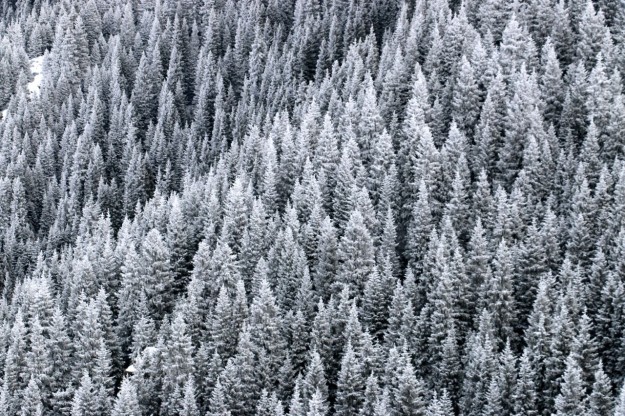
312 208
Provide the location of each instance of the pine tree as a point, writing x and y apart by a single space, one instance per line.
440 406
449 368
15 359
316 405
500 292
494 405
601 399
375 303
418 156
516 48
355 253
350 384
314 381
264 331
372 396
126 402
218 401
345 182
60 350
619 408
591 29
32 404
287 267
177 358
189 404
583 348
325 266
551 83
480 366
236 210
156 273
571 400
296 406
420 227
38 360
525 393
410 394
267 404
466 100
85 400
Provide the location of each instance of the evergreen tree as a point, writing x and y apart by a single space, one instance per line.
189 404
355 253
440 406
601 399
619 408
525 393
126 402
85 399
350 384
571 400
32 404
466 99
316 406
156 273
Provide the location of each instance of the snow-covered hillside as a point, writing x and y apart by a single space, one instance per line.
36 67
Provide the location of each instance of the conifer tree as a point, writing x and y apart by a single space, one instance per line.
126 402
525 393
316 406
350 384
465 103
619 408
601 399
355 253
85 398
32 404
571 399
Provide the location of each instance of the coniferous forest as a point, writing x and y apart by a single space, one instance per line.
312 207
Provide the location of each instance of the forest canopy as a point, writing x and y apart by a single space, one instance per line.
312 207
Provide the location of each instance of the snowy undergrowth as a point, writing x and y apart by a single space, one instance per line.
36 69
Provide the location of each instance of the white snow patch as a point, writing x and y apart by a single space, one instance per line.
150 350
36 66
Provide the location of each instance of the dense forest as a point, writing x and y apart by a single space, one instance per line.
312 207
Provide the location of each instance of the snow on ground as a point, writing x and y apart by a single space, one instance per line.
36 66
